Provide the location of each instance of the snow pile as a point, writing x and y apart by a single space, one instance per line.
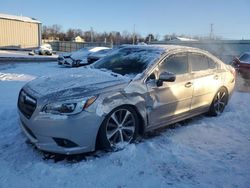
201 152
6 53
15 77
22 54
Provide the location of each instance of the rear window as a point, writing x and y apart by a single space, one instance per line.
200 62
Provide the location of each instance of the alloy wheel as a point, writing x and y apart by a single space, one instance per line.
120 128
220 101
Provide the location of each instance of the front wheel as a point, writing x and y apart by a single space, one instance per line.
219 102
119 128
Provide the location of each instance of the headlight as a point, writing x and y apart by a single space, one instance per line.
69 107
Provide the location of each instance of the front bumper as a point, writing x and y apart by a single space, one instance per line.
45 130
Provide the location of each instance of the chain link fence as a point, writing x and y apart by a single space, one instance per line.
69 46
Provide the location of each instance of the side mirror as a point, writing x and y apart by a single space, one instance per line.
166 77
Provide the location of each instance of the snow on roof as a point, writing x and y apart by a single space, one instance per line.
162 47
184 39
19 18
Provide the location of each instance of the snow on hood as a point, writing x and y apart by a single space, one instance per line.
74 84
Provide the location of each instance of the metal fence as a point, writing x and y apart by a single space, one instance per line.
68 46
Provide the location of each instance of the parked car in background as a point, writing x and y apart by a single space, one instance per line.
78 58
44 49
242 65
133 90
92 57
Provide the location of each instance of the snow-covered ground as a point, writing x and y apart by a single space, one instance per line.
16 54
201 152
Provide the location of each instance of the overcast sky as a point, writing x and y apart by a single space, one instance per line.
231 18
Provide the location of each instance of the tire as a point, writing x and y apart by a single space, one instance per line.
48 53
119 128
41 53
219 102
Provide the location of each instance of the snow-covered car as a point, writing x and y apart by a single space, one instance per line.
78 58
121 96
44 49
92 57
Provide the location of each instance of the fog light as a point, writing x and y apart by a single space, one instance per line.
65 143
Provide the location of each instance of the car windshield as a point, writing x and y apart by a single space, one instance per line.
245 58
129 61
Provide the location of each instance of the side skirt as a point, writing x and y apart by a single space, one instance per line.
180 117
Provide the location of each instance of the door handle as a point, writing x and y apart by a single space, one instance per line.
188 84
216 77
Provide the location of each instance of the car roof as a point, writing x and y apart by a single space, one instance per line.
164 49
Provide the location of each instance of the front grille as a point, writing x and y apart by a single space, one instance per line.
26 104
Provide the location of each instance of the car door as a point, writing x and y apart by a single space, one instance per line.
172 98
206 79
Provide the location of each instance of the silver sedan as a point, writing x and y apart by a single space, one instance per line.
133 90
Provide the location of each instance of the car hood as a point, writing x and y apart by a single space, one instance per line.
78 84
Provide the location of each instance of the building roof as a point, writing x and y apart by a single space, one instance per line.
19 18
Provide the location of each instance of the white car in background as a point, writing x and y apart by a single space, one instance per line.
78 58
44 49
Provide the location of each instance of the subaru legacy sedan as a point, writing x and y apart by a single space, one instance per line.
120 97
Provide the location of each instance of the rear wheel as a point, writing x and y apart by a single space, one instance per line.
119 128
219 102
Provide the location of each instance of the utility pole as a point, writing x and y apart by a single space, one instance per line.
92 34
134 35
211 31
149 38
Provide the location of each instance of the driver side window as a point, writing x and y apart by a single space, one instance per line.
177 64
